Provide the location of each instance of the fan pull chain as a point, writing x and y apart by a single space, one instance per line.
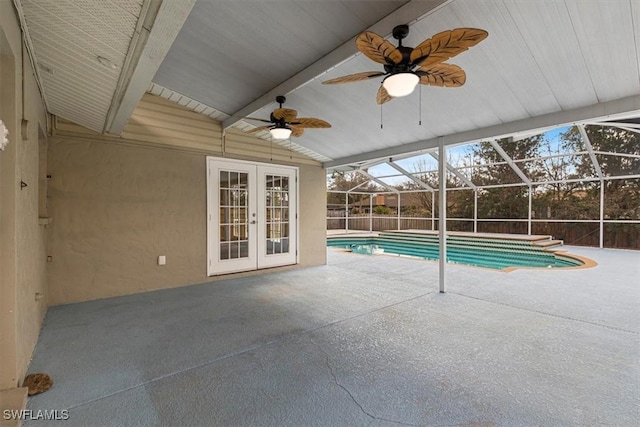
271 151
290 149
381 126
420 108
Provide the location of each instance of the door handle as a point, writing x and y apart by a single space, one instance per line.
253 222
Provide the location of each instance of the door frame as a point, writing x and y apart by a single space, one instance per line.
213 210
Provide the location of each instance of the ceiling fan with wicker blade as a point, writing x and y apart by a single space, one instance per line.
405 67
284 122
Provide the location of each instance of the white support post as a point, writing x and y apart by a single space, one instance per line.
398 211
601 214
346 213
442 214
371 213
433 210
529 216
475 210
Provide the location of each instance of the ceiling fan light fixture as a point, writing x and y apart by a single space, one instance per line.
280 132
400 84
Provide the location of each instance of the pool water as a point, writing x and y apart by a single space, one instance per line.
496 258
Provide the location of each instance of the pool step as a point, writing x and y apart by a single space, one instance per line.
548 243
495 242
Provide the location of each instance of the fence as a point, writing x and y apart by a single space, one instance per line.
617 234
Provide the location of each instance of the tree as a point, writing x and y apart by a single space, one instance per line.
622 196
346 181
459 202
420 199
505 202
560 199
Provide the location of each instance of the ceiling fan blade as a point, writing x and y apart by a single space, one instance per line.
383 96
445 45
310 122
258 129
255 118
378 49
366 75
447 75
288 114
296 131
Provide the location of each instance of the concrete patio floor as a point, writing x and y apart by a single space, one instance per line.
364 340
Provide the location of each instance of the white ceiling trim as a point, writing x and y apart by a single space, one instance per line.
158 26
185 101
404 15
610 110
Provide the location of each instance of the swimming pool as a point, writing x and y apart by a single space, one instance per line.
493 254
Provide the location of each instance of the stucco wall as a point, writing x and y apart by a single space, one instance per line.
30 235
313 214
116 207
22 239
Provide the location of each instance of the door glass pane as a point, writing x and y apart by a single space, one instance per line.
224 197
234 217
224 251
234 250
224 179
277 217
244 249
224 233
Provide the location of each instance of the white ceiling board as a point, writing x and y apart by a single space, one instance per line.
409 12
606 33
61 62
233 50
114 33
555 49
131 6
54 31
522 90
67 38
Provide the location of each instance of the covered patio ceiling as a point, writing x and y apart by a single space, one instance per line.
544 64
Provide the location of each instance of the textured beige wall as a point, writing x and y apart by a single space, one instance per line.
31 241
8 338
116 207
312 216
22 239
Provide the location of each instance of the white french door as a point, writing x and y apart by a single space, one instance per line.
252 216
